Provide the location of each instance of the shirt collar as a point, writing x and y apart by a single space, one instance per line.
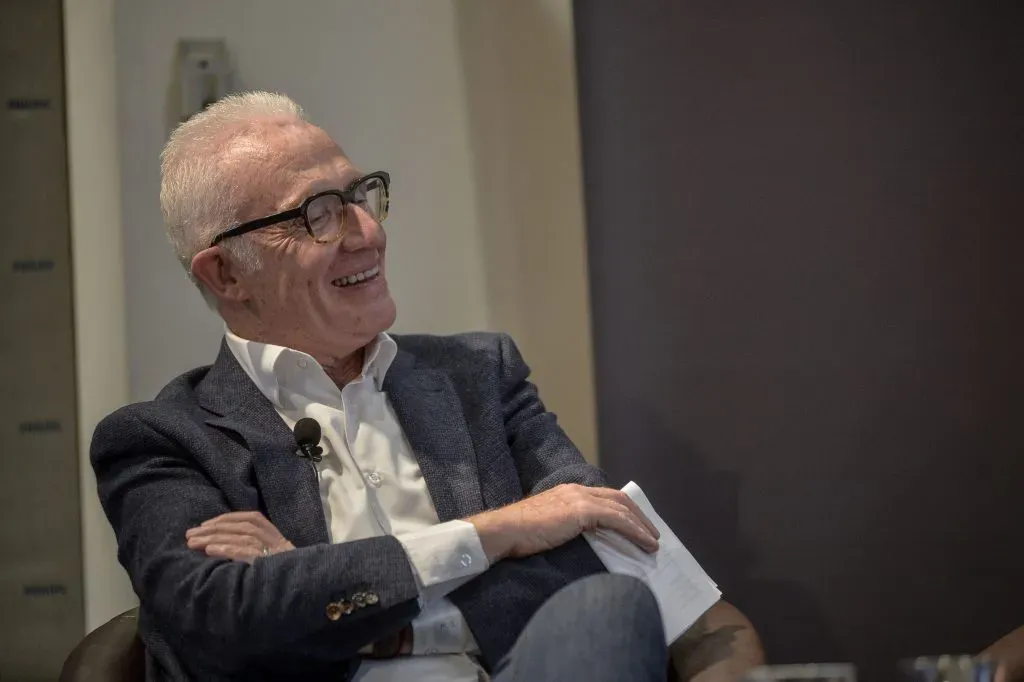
270 366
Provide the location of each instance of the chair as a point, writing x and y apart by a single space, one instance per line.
111 653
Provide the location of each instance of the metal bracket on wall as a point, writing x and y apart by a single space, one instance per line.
203 76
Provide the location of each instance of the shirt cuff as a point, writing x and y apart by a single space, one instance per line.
440 628
444 557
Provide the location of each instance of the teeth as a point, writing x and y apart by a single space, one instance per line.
358 277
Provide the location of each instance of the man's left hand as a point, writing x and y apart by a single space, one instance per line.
242 536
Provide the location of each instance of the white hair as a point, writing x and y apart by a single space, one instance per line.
201 192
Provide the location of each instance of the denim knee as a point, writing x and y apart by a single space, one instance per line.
626 597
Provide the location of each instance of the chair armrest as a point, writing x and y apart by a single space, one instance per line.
112 652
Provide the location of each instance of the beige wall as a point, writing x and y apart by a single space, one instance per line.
102 365
480 136
520 71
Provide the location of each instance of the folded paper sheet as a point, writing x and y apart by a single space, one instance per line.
682 588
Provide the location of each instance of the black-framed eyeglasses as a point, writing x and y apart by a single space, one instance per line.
324 213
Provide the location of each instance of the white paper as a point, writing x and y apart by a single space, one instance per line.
681 587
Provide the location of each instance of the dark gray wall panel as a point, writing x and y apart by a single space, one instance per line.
805 248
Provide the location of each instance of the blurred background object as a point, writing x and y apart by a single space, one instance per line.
805 672
1008 650
947 668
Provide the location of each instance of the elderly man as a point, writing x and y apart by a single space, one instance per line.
330 502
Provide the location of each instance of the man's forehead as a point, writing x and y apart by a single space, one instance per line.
284 161
291 141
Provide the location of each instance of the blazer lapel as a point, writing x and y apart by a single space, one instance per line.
287 483
430 413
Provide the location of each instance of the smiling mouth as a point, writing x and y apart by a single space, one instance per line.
358 278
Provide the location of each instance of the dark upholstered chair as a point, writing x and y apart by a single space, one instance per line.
112 652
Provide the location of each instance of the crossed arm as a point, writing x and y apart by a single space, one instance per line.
153 493
720 647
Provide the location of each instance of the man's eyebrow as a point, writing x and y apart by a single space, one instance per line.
318 186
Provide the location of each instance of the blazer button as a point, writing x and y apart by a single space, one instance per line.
372 598
359 599
346 607
334 611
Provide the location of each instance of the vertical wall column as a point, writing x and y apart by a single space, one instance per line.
102 368
519 63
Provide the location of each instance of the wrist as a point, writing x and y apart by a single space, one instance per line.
494 536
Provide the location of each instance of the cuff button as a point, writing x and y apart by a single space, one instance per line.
334 611
372 598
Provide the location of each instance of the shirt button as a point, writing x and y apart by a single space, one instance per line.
466 560
374 479
430 651
302 363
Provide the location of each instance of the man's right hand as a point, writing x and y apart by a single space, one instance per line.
555 516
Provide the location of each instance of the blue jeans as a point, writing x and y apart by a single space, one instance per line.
603 628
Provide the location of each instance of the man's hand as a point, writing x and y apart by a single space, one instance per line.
555 516
242 536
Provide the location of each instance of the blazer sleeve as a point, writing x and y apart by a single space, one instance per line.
225 615
543 454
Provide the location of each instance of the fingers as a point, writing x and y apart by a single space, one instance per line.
612 509
253 517
625 500
614 516
228 546
237 535
233 552
202 543
270 538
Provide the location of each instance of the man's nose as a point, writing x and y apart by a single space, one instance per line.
361 230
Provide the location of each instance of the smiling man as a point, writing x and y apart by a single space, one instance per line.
432 533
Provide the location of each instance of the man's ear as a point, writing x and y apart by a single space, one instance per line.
217 271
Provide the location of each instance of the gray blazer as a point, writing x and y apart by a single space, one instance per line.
212 443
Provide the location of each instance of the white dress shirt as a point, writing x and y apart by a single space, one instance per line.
371 485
